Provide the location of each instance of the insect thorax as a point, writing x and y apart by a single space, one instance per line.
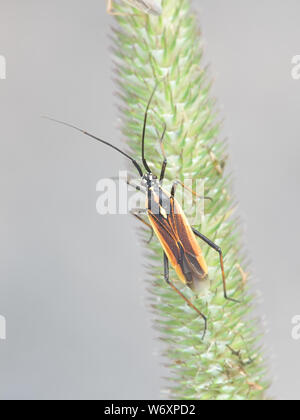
158 200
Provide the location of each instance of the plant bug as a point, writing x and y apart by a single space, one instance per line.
152 7
169 223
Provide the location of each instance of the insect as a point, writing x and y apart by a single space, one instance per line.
152 7
170 225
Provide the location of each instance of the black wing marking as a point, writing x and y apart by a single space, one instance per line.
177 233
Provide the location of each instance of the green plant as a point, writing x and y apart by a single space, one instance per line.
228 364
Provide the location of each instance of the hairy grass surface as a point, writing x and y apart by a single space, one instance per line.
167 50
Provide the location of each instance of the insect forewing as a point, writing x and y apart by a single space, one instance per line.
178 241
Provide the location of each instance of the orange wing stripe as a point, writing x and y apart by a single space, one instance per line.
166 239
176 237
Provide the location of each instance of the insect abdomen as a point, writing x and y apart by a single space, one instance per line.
192 271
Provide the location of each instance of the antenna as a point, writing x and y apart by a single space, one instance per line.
100 140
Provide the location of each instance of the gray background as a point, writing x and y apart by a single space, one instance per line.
71 281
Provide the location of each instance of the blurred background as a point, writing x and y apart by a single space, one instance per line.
71 281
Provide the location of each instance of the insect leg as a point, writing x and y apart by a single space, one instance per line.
136 187
128 182
167 279
136 214
177 182
165 162
164 165
144 131
217 249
